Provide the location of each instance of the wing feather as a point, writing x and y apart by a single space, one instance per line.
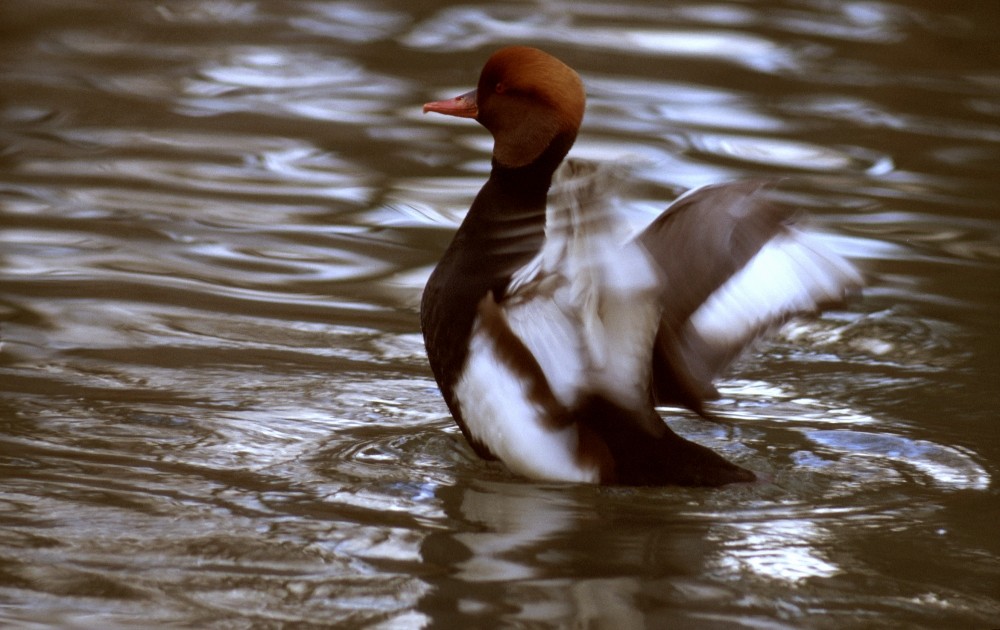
586 306
733 267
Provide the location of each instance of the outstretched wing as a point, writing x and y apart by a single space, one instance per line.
587 306
732 267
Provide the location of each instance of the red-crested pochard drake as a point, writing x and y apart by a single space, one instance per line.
553 339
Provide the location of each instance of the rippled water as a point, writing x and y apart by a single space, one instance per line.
215 409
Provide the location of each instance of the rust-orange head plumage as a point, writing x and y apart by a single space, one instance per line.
527 99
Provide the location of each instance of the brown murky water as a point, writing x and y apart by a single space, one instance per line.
215 409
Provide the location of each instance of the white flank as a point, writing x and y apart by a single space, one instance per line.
498 412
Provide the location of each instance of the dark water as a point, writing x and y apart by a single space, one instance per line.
215 409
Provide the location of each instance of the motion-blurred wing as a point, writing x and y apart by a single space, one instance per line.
732 267
587 306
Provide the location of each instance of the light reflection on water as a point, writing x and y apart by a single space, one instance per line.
218 216
786 550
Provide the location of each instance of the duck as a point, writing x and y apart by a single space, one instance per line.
554 335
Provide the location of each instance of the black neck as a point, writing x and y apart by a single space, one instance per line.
506 222
503 231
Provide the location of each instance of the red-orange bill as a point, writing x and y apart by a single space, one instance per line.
463 106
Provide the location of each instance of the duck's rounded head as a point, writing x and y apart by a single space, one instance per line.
527 99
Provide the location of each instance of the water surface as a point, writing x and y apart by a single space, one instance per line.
216 218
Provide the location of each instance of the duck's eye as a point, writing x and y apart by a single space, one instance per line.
500 88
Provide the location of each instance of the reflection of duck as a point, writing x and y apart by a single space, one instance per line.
552 340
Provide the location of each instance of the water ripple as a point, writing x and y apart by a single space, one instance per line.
279 168
312 86
790 154
216 409
944 466
354 22
464 28
868 113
